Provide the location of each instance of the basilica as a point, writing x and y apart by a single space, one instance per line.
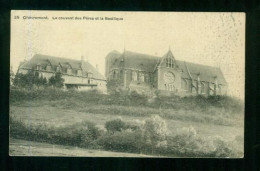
146 74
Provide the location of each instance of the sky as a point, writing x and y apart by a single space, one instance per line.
215 39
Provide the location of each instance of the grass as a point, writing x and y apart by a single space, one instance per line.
183 141
213 115
60 117
28 148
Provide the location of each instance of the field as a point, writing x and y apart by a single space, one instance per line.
221 126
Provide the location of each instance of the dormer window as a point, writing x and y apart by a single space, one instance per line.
69 71
48 67
58 69
38 67
79 72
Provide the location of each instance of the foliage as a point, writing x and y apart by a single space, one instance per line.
114 86
29 80
150 138
155 131
56 80
115 125
125 141
80 134
12 76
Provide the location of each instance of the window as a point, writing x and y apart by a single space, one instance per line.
38 67
68 71
169 77
88 81
141 77
184 84
169 87
169 62
79 72
121 75
147 78
58 69
202 88
134 75
48 68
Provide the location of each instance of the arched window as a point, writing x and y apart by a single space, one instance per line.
121 75
202 88
184 84
114 74
169 77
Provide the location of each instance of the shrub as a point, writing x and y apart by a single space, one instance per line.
155 131
125 141
186 142
56 80
29 80
115 125
79 134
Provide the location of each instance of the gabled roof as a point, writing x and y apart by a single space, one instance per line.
149 63
45 60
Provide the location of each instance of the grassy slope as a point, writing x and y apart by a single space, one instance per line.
28 148
209 117
57 117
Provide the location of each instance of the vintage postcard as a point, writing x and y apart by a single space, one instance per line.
127 84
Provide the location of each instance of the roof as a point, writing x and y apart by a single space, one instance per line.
44 60
149 63
206 73
140 61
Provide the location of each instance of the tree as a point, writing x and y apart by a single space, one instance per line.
29 80
155 131
113 86
56 80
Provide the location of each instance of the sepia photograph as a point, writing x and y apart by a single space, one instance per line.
127 84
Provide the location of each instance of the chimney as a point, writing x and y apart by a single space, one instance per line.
97 67
82 59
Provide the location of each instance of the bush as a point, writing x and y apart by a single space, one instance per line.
56 80
149 137
155 131
186 142
115 125
80 134
124 141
